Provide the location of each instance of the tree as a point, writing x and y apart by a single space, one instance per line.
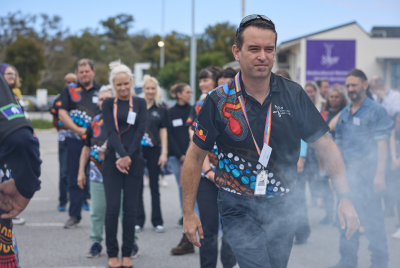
27 56
117 27
219 37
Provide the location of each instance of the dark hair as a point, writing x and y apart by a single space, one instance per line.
284 73
226 73
178 88
360 74
209 72
319 81
258 23
84 62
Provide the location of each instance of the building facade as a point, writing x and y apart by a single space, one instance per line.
332 53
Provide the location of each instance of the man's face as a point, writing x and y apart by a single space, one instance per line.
256 57
379 91
356 88
85 74
323 90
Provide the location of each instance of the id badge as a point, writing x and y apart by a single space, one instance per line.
261 183
131 118
177 122
265 155
95 99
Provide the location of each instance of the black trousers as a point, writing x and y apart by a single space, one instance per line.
114 183
207 196
76 194
151 154
303 229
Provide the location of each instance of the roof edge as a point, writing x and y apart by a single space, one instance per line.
330 29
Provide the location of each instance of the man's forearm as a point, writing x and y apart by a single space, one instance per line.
382 156
164 141
67 121
84 158
331 159
191 176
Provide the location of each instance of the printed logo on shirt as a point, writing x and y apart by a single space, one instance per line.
75 94
96 126
280 111
189 120
155 114
201 132
59 103
12 111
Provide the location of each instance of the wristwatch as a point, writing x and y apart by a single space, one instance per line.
344 195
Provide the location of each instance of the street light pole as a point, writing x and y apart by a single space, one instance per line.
161 44
243 7
193 48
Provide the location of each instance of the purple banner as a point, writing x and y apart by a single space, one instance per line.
330 59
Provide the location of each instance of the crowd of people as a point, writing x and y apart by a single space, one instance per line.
242 157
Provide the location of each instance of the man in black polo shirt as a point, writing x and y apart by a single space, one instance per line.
19 168
258 120
78 107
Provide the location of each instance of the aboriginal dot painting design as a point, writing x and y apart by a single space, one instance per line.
231 112
96 126
80 118
95 174
238 175
75 94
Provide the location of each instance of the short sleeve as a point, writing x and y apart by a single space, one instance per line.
207 125
165 118
383 124
89 134
311 124
191 121
65 99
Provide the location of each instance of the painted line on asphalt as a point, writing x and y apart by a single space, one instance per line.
49 224
40 199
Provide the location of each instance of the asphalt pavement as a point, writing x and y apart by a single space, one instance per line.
44 243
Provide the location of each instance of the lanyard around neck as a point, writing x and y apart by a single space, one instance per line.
267 131
115 111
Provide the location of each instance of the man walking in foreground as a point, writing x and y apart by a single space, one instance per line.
362 132
258 120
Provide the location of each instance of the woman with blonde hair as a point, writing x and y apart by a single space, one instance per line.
125 119
312 91
12 78
155 151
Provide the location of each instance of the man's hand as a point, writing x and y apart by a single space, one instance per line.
101 156
81 179
162 160
348 215
191 225
300 165
395 163
182 158
11 201
379 183
81 131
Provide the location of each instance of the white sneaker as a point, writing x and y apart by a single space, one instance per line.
18 221
138 229
159 229
146 181
163 183
396 235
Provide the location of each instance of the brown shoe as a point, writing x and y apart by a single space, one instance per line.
184 247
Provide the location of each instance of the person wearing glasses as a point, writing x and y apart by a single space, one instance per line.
11 76
125 118
69 79
257 122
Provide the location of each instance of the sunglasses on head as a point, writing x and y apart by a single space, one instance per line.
249 18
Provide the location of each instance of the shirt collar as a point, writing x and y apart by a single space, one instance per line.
273 86
95 86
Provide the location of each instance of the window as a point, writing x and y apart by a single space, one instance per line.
395 77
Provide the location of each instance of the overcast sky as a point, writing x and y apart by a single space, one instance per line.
292 18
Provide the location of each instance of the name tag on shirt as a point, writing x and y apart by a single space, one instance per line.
261 183
265 155
131 118
177 122
356 121
95 99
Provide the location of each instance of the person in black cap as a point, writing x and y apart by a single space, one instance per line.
18 148
257 121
